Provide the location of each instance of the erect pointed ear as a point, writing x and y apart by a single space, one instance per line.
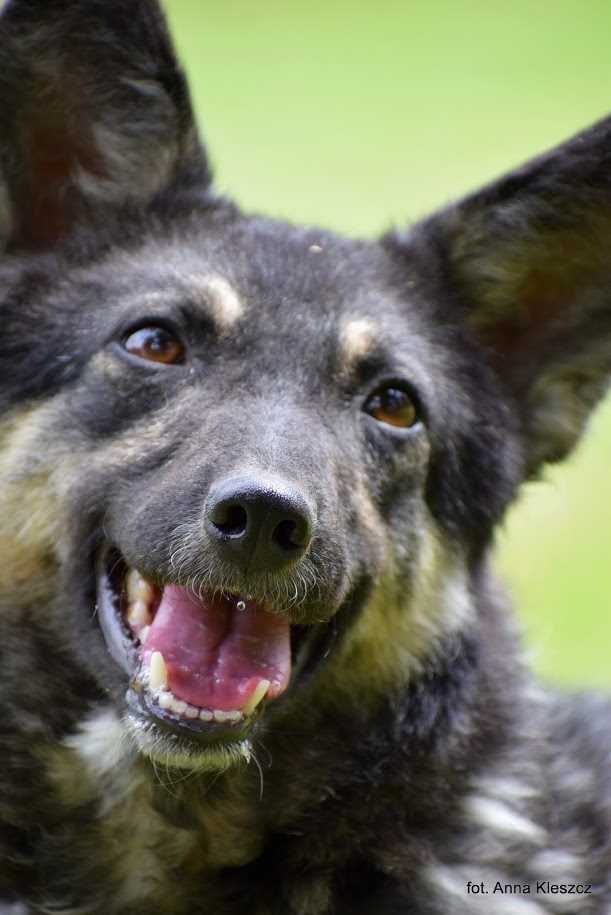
529 259
94 115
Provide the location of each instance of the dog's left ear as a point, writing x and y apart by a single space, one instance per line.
529 261
94 116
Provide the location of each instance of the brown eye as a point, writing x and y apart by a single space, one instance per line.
155 344
394 407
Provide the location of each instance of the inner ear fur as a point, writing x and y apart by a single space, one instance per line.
94 115
528 260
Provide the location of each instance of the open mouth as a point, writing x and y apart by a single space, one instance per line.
201 661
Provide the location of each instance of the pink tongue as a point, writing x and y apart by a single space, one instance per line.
216 655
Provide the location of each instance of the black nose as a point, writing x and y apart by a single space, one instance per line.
259 522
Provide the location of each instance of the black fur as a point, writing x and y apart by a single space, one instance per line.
411 755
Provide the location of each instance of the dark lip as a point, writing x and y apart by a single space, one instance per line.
141 705
121 647
310 645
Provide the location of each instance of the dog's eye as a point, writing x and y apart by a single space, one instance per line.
393 406
155 344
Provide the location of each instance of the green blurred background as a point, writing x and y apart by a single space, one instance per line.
361 115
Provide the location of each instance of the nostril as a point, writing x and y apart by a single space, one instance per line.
230 519
290 535
284 535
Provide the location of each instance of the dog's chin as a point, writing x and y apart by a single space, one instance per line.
204 668
171 750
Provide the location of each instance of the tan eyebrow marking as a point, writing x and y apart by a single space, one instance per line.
221 299
357 336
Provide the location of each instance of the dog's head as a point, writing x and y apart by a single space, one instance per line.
244 462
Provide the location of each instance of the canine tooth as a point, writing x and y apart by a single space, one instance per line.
144 634
138 614
165 700
224 717
206 715
158 672
257 696
138 587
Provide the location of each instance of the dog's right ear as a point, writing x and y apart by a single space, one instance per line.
525 264
94 116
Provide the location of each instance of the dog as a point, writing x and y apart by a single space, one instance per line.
254 659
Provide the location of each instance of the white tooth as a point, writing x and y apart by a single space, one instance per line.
158 672
224 717
257 696
165 700
138 587
191 712
138 614
206 715
144 634
178 706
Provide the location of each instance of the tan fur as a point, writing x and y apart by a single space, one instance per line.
96 765
31 520
357 335
401 630
100 764
219 298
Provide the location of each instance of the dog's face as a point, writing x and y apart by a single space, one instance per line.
244 463
239 449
